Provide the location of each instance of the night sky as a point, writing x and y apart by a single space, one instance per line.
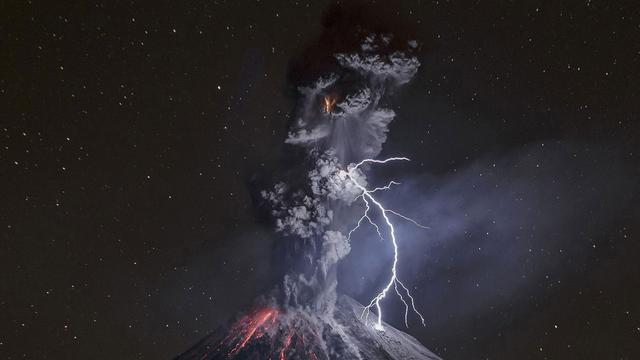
134 135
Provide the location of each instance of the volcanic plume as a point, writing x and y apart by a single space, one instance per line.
341 120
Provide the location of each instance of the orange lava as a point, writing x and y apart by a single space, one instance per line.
254 326
295 341
285 347
262 324
328 103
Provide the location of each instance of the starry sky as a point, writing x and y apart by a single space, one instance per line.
133 135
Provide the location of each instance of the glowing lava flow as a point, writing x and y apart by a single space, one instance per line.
394 281
266 326
285 347
253 326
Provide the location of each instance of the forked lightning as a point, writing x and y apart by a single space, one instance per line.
394 281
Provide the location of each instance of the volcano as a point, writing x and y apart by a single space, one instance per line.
268 332
341 121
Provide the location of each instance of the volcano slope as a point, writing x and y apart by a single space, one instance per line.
270 333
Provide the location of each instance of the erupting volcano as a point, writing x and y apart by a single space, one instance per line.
267 333
304 317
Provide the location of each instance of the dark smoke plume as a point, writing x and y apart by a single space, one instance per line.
344 85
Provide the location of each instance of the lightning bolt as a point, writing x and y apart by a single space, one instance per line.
394 282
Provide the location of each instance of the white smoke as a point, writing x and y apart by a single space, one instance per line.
354 129
396 66
357 128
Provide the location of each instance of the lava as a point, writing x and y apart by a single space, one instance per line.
328 103
285 347
268 326
295 343
253 326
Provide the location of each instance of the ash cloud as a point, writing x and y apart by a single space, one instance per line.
499 227
344 85
361 85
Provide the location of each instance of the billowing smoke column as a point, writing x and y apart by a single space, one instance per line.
341 123
344 115
342 120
